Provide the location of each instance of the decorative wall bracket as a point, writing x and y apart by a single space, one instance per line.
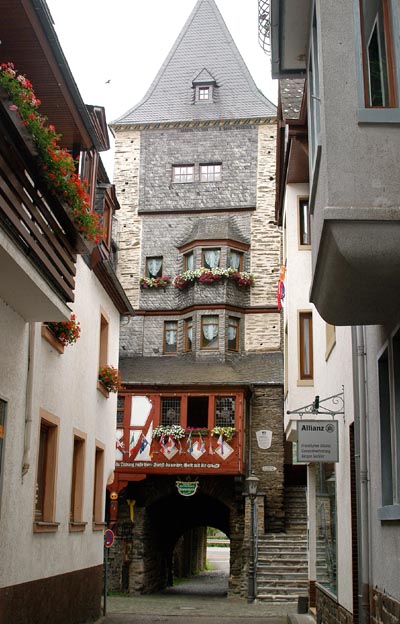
331 406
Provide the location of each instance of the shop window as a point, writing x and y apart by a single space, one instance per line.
170 336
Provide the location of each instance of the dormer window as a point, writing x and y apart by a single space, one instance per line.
203 85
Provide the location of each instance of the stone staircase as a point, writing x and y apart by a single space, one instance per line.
282 567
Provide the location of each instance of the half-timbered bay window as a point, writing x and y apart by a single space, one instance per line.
233 333
170 336
188 334
225 411
236 260
210 172
211 258
379 75
154 266
209 332
170 411
182 174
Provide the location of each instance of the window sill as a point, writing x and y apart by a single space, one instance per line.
98 526
305 382
389 512
102 389
304 247
52 339
43 526
379 115
75 527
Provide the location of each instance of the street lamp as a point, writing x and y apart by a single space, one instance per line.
252 484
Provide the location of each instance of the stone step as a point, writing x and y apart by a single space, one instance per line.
282 567
289 576
282 548
277 598
282 590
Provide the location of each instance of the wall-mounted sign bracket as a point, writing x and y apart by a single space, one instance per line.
331 406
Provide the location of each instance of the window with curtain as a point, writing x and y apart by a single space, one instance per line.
233 333
306 345
211 258
188 261
188 334
170 336
154 266
209 332
236 260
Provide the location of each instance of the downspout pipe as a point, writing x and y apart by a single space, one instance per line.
26 459
361 461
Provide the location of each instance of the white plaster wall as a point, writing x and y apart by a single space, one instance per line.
66 386
331 374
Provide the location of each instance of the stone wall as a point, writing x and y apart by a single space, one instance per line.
126 180
384 609
267 405
329 611
234 147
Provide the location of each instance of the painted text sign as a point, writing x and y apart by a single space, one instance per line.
317 441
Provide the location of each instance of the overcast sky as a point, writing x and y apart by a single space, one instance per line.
116 47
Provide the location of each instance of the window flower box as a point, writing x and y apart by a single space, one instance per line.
109 378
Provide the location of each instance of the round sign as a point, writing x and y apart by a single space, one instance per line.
108 538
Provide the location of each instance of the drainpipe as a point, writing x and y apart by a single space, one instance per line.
249 409
361 461
29 401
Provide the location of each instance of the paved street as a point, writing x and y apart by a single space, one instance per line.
202 599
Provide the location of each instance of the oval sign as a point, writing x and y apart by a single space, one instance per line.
108 538
187 488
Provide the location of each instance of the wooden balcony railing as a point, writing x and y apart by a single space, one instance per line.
38 224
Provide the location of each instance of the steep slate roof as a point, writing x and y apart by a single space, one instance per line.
213 228
203 47
251 369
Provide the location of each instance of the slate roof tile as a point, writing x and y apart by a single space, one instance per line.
204 43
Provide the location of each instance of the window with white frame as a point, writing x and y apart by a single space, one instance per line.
182 174
204 93
210 172
389 415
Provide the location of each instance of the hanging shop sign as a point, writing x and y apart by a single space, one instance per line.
187 488
317 441
264 438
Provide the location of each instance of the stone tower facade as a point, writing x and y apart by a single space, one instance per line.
199 257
